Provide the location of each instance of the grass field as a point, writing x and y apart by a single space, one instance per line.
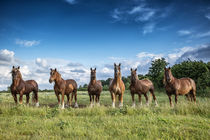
184 121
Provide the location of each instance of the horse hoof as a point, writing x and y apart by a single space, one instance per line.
76 105
37 104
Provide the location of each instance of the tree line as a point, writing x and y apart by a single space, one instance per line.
199 71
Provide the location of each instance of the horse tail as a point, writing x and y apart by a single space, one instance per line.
35 93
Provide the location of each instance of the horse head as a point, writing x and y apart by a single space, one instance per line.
117 72
16 73
168 75
134 75
53 75
93 73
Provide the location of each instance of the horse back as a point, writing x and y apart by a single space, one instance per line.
184 85
31 85
71 85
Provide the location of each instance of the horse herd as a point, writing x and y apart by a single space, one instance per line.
173 86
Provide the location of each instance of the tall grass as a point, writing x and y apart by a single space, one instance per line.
185 121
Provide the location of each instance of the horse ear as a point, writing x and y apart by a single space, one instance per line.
13 67
18 67
55 69
136 69
131 69
119 64
115 64
95 69
164 68
91 69
169 68
51 69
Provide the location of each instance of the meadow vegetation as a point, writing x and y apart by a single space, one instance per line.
184 121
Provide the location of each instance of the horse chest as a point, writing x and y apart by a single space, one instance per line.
117 89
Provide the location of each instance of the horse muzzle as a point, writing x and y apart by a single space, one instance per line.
50 81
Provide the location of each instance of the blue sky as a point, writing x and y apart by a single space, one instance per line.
74 35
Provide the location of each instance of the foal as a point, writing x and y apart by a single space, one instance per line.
63 87
183 86
19 86
117 86
141 87
94 87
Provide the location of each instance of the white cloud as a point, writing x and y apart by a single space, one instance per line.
71 1
148 28
207 16
205 34
136 9
41 62
116 14
6 57
184 32
38 69
27 43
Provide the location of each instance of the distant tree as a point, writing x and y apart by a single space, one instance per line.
197 70
156 72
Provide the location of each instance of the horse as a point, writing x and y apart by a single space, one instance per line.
174 86
117 86
63 87
21 87
94 88
141 87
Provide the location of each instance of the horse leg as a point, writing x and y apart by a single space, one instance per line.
194 96
170 100
35 94
91 104
93 99
62 100
21 98
27 98
140 103
75 99
121 100
113 99
147 100
153 95
72 96
15 97
188 97
133 100
58 97
98 103
176 98
67 96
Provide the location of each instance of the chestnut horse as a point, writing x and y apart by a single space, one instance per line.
63 87
117 86
141 87
183 86
19 86
94 88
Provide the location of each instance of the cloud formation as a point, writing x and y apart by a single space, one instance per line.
184 32
39 69
141 13
71 1
27 43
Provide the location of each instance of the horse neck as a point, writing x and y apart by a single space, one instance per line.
134 81
58 80
118 79
17 81
93 80
173 79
